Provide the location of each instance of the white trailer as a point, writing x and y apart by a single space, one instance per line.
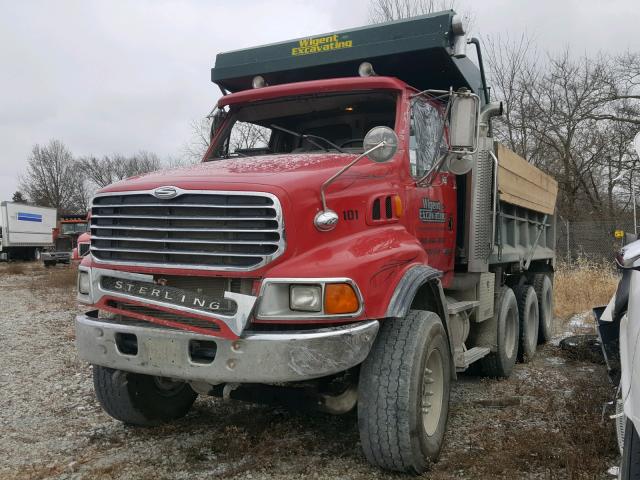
25 230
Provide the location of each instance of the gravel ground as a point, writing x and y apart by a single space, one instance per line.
544 422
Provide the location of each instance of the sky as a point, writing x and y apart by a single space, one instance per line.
115 76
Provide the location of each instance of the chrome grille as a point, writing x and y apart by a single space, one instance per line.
196 229
152 312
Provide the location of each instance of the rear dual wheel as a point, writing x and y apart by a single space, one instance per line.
500 362
543 286
523 317
528 314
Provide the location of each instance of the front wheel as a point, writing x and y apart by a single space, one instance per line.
139 399
403 393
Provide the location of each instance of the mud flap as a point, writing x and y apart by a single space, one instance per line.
609 333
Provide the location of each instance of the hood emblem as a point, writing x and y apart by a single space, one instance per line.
165 193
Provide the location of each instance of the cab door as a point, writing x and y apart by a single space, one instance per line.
432 198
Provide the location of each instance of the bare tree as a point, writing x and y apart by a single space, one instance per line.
52 178
561 105
388 10
243 135
569 116
512 64
197 146
109 169
248 135
622 101
18 197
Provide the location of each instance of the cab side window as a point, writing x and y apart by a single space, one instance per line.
425 145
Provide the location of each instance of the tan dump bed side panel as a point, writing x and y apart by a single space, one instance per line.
522 184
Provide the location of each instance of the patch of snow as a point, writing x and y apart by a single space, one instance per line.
579 320
555 361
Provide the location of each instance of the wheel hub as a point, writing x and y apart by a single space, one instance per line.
432 392
532 320
511 336
166 386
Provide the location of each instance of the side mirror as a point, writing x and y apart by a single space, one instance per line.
463 123
459 164
218 119
629 255
374 137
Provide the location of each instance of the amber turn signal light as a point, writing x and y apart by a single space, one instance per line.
398 204
340 298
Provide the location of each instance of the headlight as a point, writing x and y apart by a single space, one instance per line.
84 283
306 298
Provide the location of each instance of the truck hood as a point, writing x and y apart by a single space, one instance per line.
290 172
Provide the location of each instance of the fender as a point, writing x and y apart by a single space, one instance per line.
407 294
407 288
375 259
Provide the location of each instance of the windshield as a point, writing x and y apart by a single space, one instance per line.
71 228
310 123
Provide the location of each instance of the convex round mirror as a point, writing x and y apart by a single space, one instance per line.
459 164
377 135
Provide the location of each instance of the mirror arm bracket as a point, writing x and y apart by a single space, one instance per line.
330 180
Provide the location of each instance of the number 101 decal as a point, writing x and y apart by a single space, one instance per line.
349 215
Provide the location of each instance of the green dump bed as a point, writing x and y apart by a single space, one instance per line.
416 50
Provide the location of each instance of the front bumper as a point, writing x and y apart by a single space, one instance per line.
253 358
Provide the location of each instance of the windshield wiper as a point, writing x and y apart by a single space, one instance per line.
309 138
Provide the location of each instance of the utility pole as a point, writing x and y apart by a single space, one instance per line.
635 217
636 145
568 244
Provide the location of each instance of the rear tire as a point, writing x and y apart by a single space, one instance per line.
403 393
500 363
543 286
528 314
630 464
139 399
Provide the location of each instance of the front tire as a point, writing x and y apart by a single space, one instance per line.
630 465
139 399
403 393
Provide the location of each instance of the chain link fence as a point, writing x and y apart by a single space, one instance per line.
592 239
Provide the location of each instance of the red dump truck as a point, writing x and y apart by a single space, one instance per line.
353 238
65 239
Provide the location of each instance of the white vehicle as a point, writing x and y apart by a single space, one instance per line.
619 329
25 230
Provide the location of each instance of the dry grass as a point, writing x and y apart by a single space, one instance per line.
581 286
14 269
58 282
554 432
61 277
